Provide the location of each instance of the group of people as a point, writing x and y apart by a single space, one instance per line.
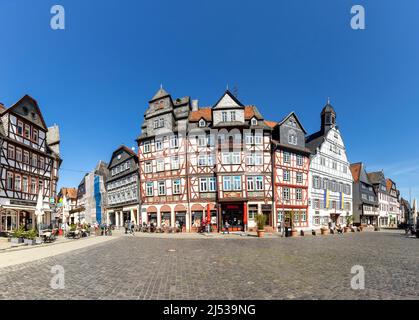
129 227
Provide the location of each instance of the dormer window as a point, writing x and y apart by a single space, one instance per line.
202 123
254 122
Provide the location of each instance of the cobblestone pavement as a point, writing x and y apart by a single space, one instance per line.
226 268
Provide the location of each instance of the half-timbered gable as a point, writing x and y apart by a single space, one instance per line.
291 173
230 166
162 153
30 160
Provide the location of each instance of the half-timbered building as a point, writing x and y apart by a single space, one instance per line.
200 165
378 181
66 201
365 200
291 173
230 165
30 159
162 153
394 215
123 188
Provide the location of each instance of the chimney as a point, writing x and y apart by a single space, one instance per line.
194 105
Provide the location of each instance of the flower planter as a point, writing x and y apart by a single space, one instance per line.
324 231
346 229
16 240
29 242
294 233
38 240
261 233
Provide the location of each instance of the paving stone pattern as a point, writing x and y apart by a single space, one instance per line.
226 268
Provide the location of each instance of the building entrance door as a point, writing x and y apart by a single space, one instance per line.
233 214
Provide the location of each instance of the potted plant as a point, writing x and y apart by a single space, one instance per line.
17 235
348 224
29 237
260 221
324 230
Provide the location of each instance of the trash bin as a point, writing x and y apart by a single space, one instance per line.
288 231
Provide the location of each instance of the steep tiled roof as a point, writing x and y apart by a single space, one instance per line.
389 184
314 140
206 113
128 150
375 177
271 124
160 94
356 171
70 193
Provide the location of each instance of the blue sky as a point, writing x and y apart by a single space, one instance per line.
95 77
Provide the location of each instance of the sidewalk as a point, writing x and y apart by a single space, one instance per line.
31 253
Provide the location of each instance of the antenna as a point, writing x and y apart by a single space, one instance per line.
236 91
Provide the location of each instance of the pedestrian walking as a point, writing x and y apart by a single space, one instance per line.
132 226
226 227
126 226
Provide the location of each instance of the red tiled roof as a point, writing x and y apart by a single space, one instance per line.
271 124
70 193
389 184
356 171
206 114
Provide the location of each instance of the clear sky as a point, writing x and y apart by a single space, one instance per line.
95 77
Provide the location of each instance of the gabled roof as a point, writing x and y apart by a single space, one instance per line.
228 95
356 170
389 184
160 94
27 97
314 140
70 193
376 177
126 149
296 118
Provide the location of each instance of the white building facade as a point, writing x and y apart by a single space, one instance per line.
330 179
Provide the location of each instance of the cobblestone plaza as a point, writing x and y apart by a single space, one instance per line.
230 267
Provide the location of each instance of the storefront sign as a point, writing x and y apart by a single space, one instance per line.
23 203
266 207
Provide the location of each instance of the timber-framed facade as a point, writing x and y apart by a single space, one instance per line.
29 164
